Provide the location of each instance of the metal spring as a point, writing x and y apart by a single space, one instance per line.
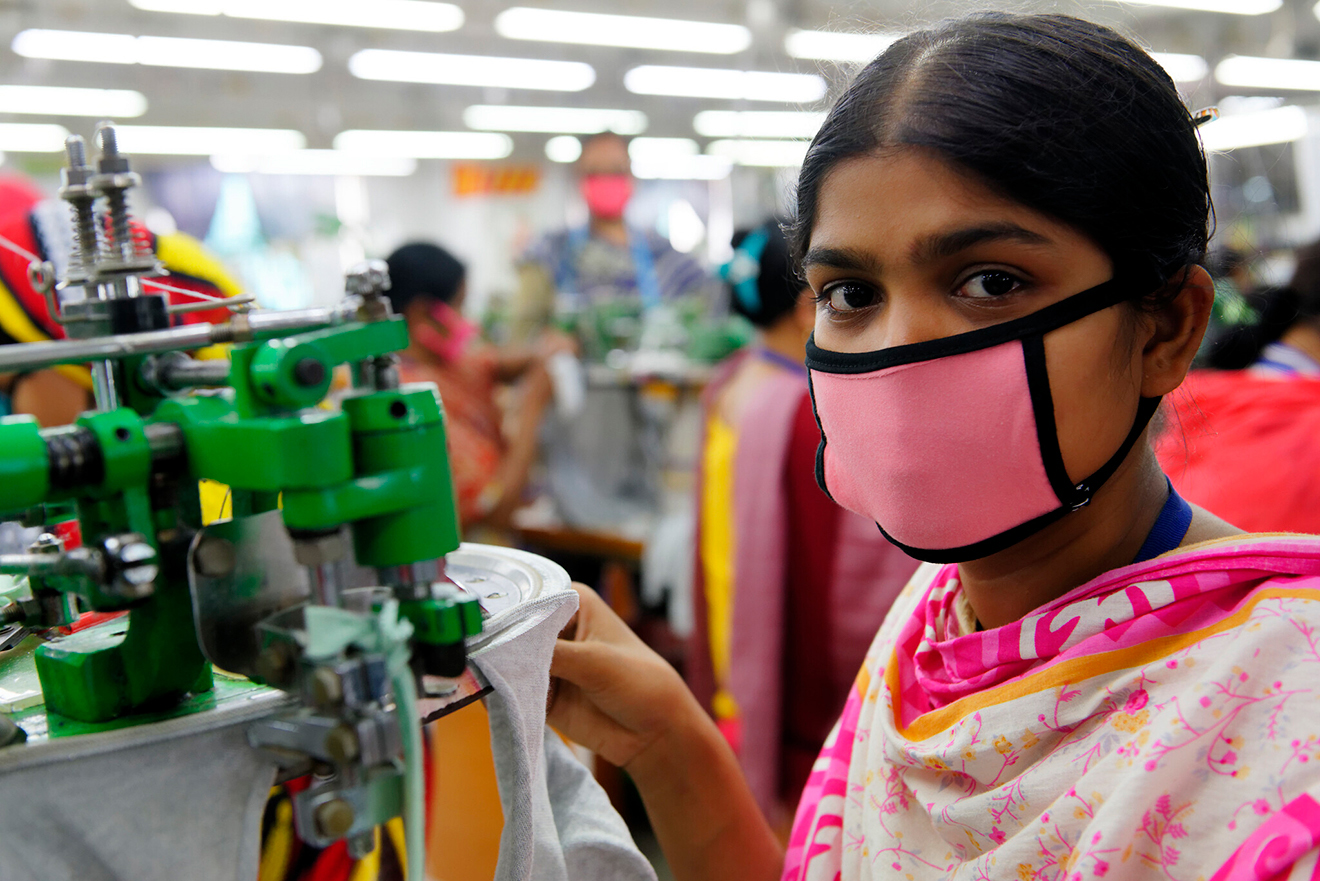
75 458
119 238
86 241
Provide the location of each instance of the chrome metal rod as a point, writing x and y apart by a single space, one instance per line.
256 325
30 356
81 561
327 583
175 371
103 385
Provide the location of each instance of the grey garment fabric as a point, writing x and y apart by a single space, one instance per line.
595 840
180 799
558 822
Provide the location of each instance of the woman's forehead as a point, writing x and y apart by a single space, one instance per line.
898 203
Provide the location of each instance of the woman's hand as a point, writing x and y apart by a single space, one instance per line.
613 694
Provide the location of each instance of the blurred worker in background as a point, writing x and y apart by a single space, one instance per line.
789 588
39 227
1244 440
490 467
607 259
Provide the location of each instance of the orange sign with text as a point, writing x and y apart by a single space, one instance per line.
477 179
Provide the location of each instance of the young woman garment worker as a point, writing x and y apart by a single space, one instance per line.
1002 220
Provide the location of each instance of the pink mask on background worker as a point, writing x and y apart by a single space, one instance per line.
607 194
450 334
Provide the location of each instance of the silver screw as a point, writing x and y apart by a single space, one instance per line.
109 139
75 148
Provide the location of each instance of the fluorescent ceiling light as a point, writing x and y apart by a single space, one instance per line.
837 46
425 145
682 168
179 140
403 15
577 120
76 46
757 123
777 154
328 163
32 137
630 31
1182 68
166 51
563 148
227 55
661 148
748 85
1236 7
1269 73
60 101
1277 126
471 70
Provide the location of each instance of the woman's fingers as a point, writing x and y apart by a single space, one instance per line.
585 664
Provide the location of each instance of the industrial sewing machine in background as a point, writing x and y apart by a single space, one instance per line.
337 589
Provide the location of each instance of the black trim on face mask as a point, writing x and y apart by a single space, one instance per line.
1040 322
981 549
1042 408
820 447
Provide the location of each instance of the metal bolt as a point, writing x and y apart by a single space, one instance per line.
111 161
12 613
342 744
131 565
334 818
75 149
359 846
46 543
215 557
275 663
369 278
309 372
327 687
109 139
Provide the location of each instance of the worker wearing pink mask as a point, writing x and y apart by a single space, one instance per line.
490 457
607 259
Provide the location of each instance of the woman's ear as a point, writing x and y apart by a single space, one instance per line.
1178 330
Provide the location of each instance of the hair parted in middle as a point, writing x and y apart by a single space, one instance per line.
1064 116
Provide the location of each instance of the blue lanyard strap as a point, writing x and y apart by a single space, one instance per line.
1170 527
784 361
648 281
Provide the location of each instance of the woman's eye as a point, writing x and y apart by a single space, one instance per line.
989 284
848 296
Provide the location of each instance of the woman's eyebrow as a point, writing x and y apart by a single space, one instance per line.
939 246
842 258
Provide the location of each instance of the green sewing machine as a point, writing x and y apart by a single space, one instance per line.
328 582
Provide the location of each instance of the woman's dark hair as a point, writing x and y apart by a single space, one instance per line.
421 269
776 286
1273 311
1061 115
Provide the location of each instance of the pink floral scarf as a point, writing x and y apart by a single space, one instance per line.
1161 721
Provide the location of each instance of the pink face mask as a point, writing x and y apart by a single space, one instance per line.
451 337
607 194
950 445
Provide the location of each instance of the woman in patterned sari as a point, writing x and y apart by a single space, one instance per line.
1002 221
